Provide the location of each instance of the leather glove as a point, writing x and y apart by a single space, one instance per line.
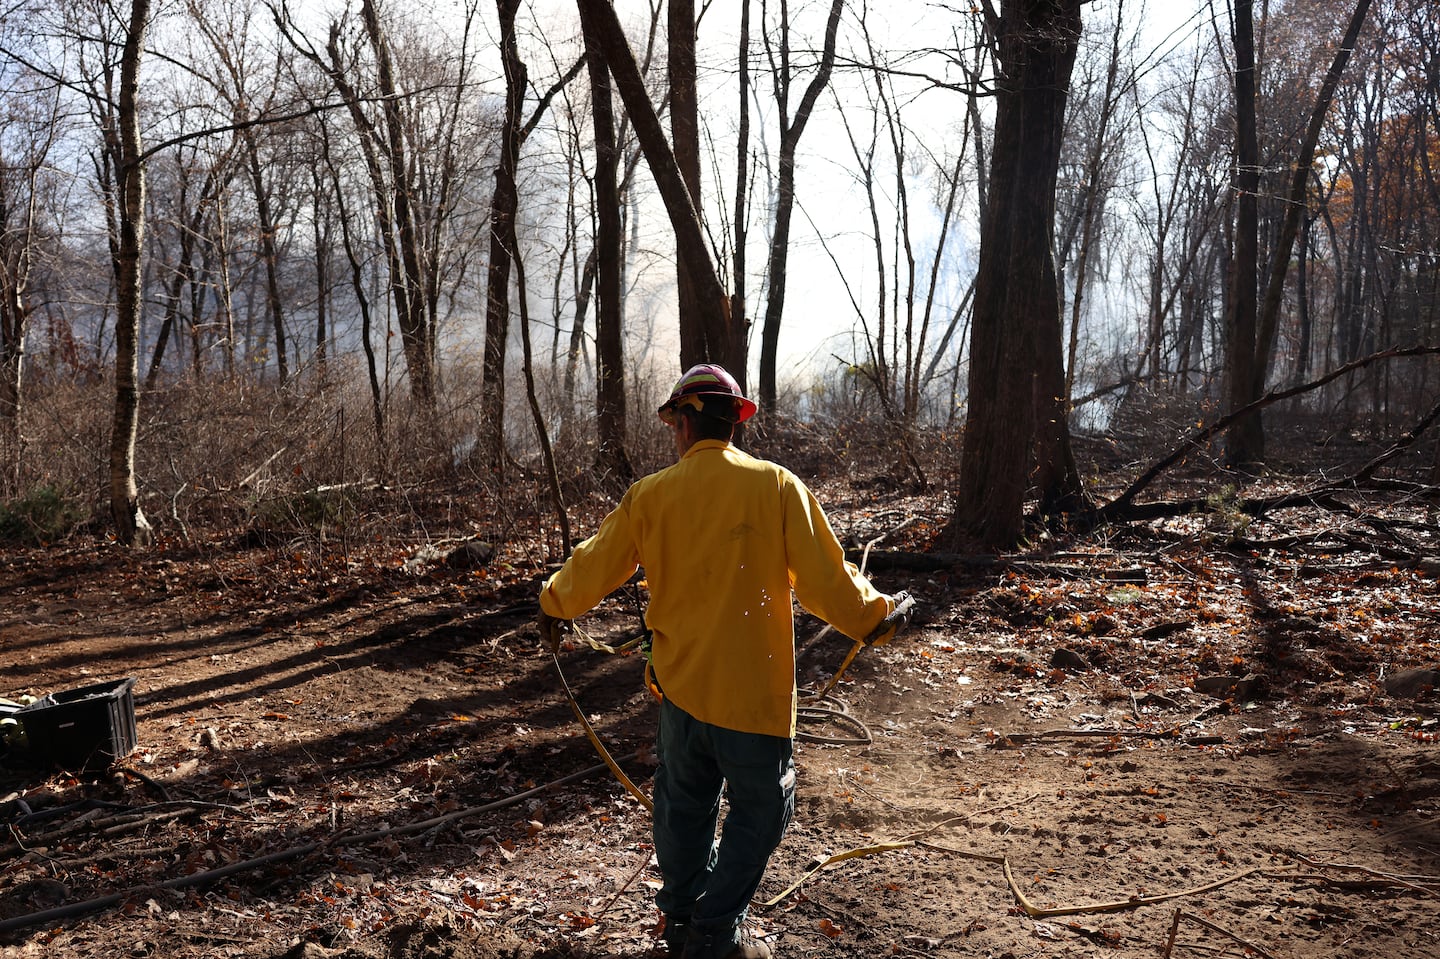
897 620
552 630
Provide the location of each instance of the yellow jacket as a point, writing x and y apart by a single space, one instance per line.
724 538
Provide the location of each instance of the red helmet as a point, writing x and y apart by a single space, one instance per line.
704 380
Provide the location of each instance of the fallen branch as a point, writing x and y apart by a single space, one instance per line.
839 857
73 909
1012 739
905 842
932 562
1036 912
1383 877
1175 927
1120 508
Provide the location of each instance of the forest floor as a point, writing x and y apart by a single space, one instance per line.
1181 738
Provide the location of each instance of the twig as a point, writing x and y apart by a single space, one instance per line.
599 916
963 853
1036 912
70 910
1175 922
1006 739
858 853
1170 939
904 842
1372 873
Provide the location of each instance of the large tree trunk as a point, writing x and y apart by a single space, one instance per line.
1245 443
1016 379
131 527
690 243
685 137
610 409
502 225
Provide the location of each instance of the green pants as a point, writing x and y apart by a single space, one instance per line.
709 884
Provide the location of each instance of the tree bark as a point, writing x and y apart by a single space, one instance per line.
131 526
610 408
690 243
503 205
1016 381
1245 443
685 137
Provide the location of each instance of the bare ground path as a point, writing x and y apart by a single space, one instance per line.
1204 762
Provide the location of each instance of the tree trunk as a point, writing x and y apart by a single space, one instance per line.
1245 444
131 527
739 317
18 237
690 243
322 223
14 316
685 137
409 285
790 133
1016 379
265 223
1296 207
502 226
610 408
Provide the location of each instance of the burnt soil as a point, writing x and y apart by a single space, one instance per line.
1174 739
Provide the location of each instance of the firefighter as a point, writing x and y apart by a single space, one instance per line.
724 538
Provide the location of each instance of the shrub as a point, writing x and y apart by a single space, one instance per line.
43 515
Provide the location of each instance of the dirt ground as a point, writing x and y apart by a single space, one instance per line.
1154 742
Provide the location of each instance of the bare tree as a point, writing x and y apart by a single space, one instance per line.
1016 414
1251 326
690 241
685 139
610 407
408 142
503 206
31 126
783 73
123 145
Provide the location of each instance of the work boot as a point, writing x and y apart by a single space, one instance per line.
700 946
675 933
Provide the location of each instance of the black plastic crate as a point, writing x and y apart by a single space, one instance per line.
83 729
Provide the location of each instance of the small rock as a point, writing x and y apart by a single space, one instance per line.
1411 683
1069 660
1430 565
1162 630
471 554
1228 687
1221 686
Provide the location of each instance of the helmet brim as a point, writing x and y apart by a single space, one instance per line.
744 408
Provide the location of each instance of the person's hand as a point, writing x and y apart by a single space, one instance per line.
898 618
552 630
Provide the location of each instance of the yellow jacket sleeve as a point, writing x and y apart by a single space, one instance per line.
599 565
825 584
